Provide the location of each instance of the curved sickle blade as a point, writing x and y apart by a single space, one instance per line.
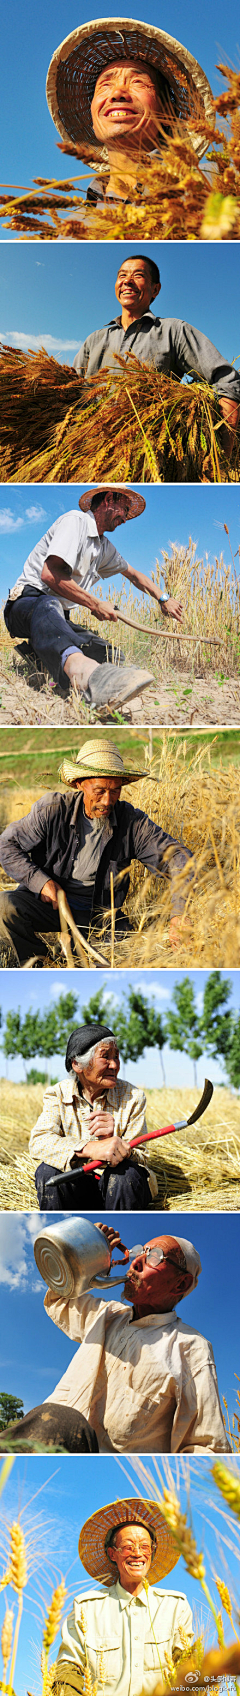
206 1097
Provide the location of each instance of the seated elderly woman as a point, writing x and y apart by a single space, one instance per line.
91 1099
115 88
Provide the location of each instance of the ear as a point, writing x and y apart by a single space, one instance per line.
111 1553
155 291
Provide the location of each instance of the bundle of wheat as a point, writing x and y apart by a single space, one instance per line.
138 425
176 197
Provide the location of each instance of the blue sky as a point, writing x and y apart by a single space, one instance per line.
35 1354
60 1494
55 293
29 38
171 515
43 991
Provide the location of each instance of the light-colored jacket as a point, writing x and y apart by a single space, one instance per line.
146 1385
65 1122
132 1633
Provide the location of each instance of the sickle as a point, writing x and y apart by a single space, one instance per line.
206 1097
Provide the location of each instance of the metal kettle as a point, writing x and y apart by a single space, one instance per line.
74 1256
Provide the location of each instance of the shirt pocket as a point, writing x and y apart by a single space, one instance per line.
112 1661
154 1653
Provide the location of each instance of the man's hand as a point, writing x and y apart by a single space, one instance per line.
112 1236
179 931
173 608
102 609
49 892
230 413
111 1150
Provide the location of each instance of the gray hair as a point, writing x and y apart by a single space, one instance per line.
84 1060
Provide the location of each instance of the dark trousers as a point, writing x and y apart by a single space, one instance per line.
23 915
53 1425
37 616
125 1189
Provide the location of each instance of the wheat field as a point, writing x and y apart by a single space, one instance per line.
197 1169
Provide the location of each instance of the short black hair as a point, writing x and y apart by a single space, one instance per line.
152 267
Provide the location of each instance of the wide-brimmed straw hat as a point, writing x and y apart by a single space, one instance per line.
79 60
98 759
95 1534
136 502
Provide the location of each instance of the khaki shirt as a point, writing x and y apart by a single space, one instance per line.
65 1122
132 1633
146 1385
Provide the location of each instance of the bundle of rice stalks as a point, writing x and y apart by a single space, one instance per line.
176 198
138 425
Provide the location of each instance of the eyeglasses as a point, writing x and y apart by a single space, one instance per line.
155 1256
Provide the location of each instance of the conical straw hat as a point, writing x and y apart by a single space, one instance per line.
136 502
98 758
96 1531
81 57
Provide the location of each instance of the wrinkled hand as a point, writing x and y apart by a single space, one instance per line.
111 1150
230 413
102 1124
173 608
112 1236
49 892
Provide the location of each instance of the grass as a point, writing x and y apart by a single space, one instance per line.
195 667
178 198
197 1169
135 424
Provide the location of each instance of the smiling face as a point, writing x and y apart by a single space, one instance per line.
126 101
132 1554
156 1288
99 795
134 287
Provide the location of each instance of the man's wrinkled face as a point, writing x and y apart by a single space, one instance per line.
132 1554
112 510
134 286
100 795
126 101
157 1287
104 1067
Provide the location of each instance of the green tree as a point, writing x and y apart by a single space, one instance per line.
99 1008
217 1022
42 1034
232 1061
182 1024
10 1408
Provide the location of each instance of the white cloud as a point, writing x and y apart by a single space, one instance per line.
8 522
56 990
157 990
35 512
13 1255
29 342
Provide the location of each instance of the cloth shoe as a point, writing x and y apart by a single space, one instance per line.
110 685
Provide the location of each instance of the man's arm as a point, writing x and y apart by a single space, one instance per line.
59 578
18 842
198 1424
167 603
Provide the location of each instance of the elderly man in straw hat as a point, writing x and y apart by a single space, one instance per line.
124 1626
116 89
146 1381
92 1116
73 842
63 571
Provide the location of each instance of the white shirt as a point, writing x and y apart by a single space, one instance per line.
146 1385
73 538
120 1626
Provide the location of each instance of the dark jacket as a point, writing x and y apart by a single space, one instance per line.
45 845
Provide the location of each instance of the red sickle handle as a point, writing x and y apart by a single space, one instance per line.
149 1135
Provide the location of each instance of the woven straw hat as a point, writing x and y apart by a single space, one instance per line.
98 759
95 1533
136 502
79 59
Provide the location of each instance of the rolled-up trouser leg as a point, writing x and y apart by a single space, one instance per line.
126 1189
81 1193
22 916
39 617
54 1424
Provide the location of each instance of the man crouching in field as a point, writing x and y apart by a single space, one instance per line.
72 843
